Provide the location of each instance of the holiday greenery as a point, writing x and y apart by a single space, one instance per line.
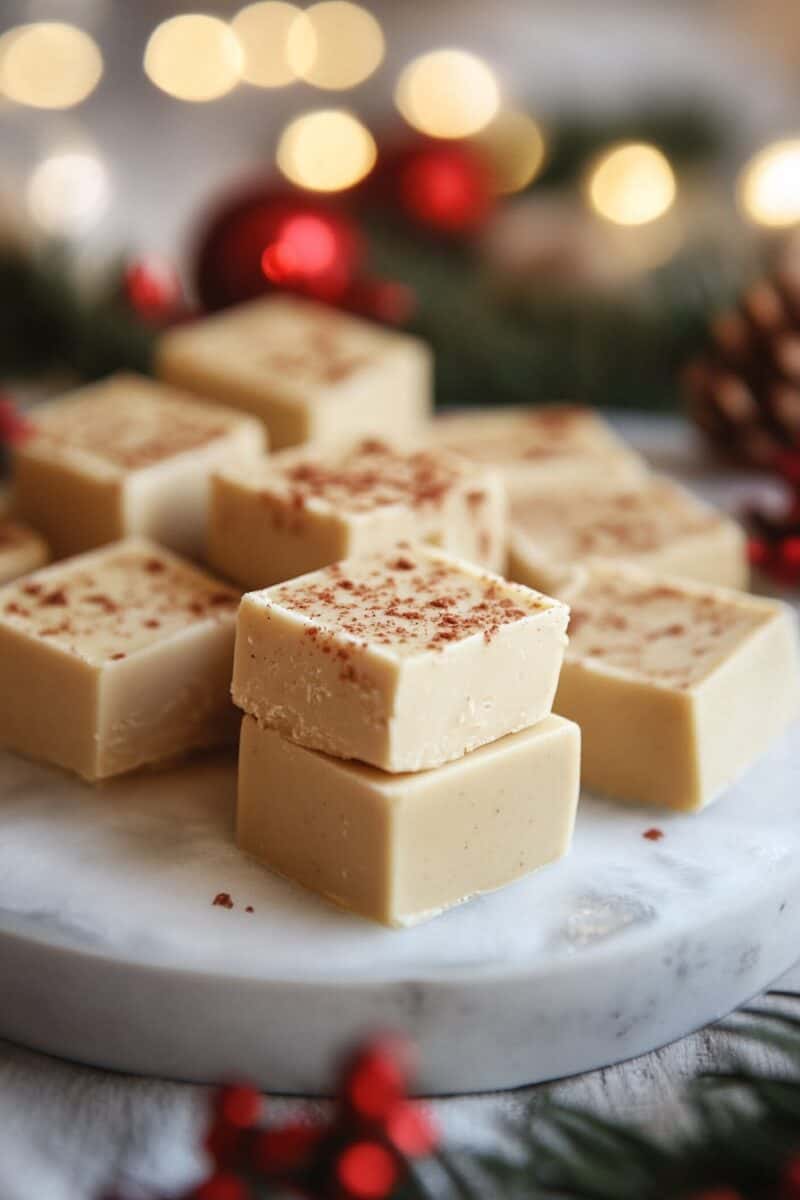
738 1139
406 247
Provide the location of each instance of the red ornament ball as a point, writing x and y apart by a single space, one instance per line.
367 1171
265 239
445 187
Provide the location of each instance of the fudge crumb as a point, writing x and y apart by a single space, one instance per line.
222 900
249 908
653 835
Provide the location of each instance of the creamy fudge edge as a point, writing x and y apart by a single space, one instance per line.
115 658
401 848
404 660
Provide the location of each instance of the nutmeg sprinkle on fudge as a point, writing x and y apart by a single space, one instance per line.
307 371
126 456
677 686
116 658
656 524
404 659
279 517
547 446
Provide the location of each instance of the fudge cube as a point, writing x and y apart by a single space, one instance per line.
308 371
21 549
677 687
404 659
116 658
126 456
656 525
540 448
296 511
401 848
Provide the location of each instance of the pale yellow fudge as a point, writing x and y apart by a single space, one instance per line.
656 525
126 456
401 848
307 371
116 658
404 659
293 512
560 446
677 686
21 549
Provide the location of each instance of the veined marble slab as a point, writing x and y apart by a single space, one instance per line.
112 952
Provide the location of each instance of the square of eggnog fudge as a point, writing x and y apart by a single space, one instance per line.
116 658
281 516
542 447
401 848
126 456
309 372
404 659
21 549
677 687
656 525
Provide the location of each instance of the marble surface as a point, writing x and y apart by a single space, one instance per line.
114 954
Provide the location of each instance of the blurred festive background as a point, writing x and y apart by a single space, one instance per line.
562 198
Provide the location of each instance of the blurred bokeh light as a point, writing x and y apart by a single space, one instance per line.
631 184
194 57
335 45
49 65
69 193
448 94
327 150
263 33
515 148
769 186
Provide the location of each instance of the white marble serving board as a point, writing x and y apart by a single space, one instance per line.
111 951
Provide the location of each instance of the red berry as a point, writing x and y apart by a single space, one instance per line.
14 426
151 287
377 1078
281 1151
223 1186
411 1129
367 1171
790 1180
239 1105
222 1143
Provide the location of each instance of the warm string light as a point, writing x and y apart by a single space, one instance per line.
769 185
514 147
194 57
631 184
69 193
448 94
335 45
49 65
326 151
263 32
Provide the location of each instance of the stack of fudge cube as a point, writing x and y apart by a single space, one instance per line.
398 751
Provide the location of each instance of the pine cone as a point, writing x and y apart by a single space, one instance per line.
744 389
